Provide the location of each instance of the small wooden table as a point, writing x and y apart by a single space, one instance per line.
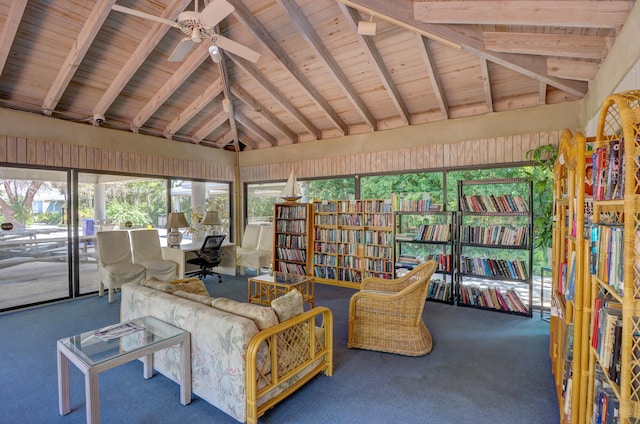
263 289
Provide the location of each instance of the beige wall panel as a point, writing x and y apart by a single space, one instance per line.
516 143
21 150
3 148
446 156
75 156
12 149
57 154
491 150
32 155
482 150
475 152
49 152
66 155
82 157
40 152
508 148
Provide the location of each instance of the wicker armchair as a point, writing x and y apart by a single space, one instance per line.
386 315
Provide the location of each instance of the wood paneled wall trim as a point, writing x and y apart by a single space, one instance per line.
24 151
487 151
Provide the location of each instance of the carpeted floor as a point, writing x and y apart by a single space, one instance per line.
485 368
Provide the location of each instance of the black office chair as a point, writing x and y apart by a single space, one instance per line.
209 256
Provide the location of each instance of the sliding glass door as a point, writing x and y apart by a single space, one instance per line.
34 236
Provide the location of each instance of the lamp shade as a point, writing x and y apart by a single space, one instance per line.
211 218
176 220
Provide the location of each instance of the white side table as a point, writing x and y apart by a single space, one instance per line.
93 355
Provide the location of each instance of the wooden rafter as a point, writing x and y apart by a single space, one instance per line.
277 96
486 84
256 129
252 24
86 36
589 14
254 104
438 91
401 13
378 64
218 118
309 34
572 69
146 46
576 46
178 78
10 30
222 67
196 106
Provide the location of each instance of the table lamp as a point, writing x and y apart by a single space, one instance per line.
175 221
211 219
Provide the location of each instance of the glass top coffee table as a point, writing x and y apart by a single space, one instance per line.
263 289
99 350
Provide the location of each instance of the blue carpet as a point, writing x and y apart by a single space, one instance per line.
485 368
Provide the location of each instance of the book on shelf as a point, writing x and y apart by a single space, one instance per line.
608 171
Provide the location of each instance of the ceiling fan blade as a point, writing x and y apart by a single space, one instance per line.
235 48
180 52
144 15
214 12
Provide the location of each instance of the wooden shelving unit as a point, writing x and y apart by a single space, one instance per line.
292 243
352 239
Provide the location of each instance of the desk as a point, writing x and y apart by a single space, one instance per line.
187 251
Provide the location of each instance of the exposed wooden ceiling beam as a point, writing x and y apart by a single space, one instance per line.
10 30
576 46
219 117
542 93
249 141
590 14
196 106
243 14
254 104
572 69
400 13
149 42
438 91
299 20
249 124
378 64
86 36
273 91
178 78
486 84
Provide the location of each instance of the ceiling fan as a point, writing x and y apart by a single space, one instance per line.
199 26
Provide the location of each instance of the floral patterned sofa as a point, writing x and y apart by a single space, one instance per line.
245 358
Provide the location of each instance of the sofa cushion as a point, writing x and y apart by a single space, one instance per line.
263 316
156 284
288 305
194 296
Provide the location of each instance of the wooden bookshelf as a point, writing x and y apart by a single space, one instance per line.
352 239
292 243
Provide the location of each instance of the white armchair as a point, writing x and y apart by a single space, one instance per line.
146 249
115 267
263 255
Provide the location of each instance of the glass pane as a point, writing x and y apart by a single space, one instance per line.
34 252
195 199
112 202
406 186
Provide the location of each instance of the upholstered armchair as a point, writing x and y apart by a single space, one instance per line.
146 250
386 315
263 255
250 240
115 267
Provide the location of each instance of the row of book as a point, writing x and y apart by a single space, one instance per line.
325 219
325 272
297 241
411 261
378 252
288 254
493 204
492 297
291 212
608 171
291 226
497 235
378 206
385 266
322 259
607 255
439 290
352 220
505 268
433 232
291 268
606 405
606 336
417 205
384 238
378 220
349 275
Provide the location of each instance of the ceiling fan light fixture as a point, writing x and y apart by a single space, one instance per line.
226 105
214 52
195 35
367 28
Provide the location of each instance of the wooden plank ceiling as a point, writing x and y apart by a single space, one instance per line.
316 77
